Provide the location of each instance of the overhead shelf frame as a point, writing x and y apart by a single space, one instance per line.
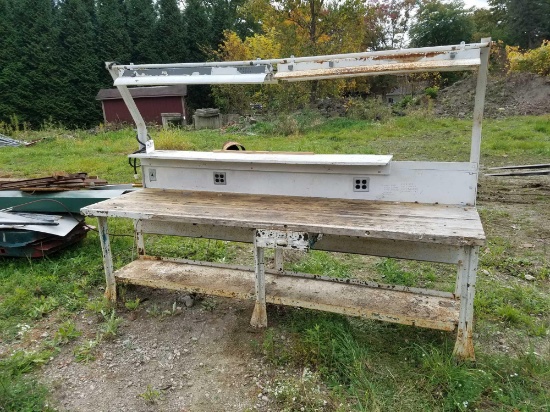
458 57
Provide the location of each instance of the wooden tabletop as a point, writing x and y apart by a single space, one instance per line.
444 224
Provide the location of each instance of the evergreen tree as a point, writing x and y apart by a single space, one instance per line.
526 22
220 20
197 30
141 27
114 41
34 69
8 70
80 75
170 33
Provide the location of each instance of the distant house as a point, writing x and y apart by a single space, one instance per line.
152 103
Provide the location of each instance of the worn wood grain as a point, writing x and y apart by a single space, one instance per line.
453 225
350 299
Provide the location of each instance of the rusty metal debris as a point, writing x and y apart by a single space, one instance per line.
522 170
56 182
6 141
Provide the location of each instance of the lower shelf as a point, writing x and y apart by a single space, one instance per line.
348 299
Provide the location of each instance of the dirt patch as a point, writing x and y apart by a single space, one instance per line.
512 95
196 360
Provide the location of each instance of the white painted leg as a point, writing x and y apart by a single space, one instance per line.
279 259
467 268
110 289
259 316
140 241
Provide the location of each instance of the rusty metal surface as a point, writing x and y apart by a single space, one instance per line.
349 299
404 66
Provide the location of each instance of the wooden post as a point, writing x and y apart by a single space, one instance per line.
140 241
467 268
110 289
259 316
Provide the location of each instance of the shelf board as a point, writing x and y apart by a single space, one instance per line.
388 305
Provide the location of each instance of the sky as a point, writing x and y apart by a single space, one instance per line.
477 3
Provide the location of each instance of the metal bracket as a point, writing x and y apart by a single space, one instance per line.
281 239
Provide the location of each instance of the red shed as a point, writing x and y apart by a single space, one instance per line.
151 102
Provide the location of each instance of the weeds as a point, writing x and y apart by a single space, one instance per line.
156 312
132 304
86 352
150 396
304 393
44 306
67 332
109 328
367 109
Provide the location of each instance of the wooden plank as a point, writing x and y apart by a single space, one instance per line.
443 224
538 166
349 299
522 173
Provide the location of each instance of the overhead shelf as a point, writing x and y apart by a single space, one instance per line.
441 58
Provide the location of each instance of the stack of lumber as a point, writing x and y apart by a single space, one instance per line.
54 183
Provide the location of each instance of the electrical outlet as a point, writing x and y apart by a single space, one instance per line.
220 178
360 184
152 175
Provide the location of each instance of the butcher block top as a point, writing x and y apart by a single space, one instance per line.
429 223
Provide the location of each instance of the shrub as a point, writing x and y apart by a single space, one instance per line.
431 92
367 109
533 61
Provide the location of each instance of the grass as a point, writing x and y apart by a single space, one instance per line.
415 372
341 364
510 140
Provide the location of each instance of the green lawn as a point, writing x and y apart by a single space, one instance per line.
362 365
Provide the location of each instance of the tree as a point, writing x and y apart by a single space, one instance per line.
439 23
170 33
142 20
395 17
33 70
79 73
526 23
8 70
197 30
114 41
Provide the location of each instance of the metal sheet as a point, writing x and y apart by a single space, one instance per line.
65 225
195 79
60 202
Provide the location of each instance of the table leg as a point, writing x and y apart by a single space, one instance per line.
110 289
279 259
140 241
467 268
259 316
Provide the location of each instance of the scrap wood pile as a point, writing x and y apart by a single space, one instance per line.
56 182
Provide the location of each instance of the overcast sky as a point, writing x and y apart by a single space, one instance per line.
477 3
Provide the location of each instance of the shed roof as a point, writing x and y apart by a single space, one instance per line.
137 92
